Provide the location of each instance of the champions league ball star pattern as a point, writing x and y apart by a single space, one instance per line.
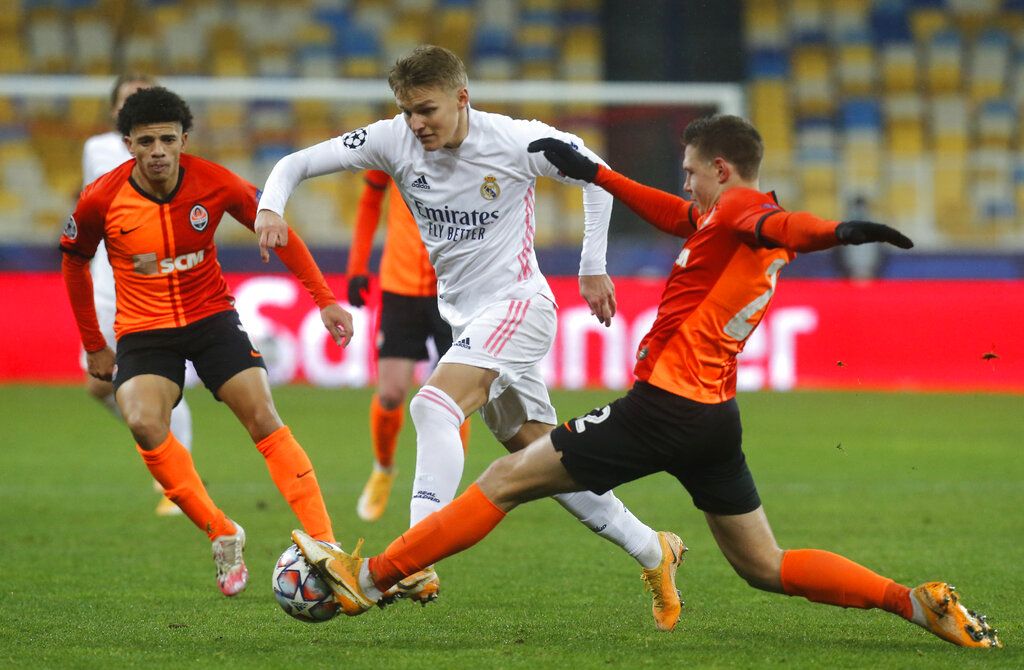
300 592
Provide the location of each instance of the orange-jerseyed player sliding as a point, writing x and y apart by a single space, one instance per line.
157 214
408 317
681 415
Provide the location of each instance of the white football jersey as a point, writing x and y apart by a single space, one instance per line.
474 204
101 154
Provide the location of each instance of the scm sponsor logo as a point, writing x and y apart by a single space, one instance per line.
182 262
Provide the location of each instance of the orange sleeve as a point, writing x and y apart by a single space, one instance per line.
662 210
367 218
297 258
765 224
78 282
798 231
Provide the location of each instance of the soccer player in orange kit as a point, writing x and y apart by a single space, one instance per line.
681 416
408 317
157 216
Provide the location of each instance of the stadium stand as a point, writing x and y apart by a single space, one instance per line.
500 40
910 105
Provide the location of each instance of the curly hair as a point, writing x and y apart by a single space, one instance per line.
153 105
731 137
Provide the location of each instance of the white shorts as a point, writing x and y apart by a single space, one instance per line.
510 337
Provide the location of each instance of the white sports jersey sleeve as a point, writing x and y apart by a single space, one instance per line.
474 205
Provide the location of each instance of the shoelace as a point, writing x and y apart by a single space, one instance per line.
223 566
652 581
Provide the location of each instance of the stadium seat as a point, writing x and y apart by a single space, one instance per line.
990 65
905 126
944 55
813 87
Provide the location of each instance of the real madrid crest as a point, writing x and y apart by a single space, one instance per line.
199 218
490 189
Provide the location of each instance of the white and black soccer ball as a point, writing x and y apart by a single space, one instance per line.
300 592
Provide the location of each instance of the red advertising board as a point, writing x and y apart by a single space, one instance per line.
924 335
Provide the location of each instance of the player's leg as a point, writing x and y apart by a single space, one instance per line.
748 544
247 394
440 333
526 475
150 374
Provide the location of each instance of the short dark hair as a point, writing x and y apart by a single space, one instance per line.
127 78
733 138
153 105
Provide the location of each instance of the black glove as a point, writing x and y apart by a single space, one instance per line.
859 232
571 162
358 287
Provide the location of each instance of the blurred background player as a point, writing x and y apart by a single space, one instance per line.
158 215
471 186
681 415
101 154
408 319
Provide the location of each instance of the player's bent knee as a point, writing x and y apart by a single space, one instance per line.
390 400
761 572
148 429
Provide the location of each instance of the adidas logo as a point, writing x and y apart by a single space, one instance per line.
464 343
421 183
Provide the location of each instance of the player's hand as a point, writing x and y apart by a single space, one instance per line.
100 364
272 232
859 232
338 323
358 287
599 292
561 154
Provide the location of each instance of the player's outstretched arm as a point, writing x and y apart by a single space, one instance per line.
662 210
803 231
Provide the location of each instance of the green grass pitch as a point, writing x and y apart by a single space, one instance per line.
916 487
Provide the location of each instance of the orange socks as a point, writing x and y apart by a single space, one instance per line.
464 436
385 424
171 465
293 473
824 577
459 525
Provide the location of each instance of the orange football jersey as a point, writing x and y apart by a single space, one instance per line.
720 284
162 252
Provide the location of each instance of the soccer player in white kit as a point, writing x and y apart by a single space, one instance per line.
470 184
101 154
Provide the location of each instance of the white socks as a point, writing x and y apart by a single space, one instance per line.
439 455
608 517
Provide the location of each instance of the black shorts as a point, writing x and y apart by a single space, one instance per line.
651 430
405 324
218 347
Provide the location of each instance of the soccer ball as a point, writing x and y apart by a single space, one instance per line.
300 592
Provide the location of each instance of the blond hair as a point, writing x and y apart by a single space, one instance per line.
426 66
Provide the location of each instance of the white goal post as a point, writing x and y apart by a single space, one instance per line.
728 98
